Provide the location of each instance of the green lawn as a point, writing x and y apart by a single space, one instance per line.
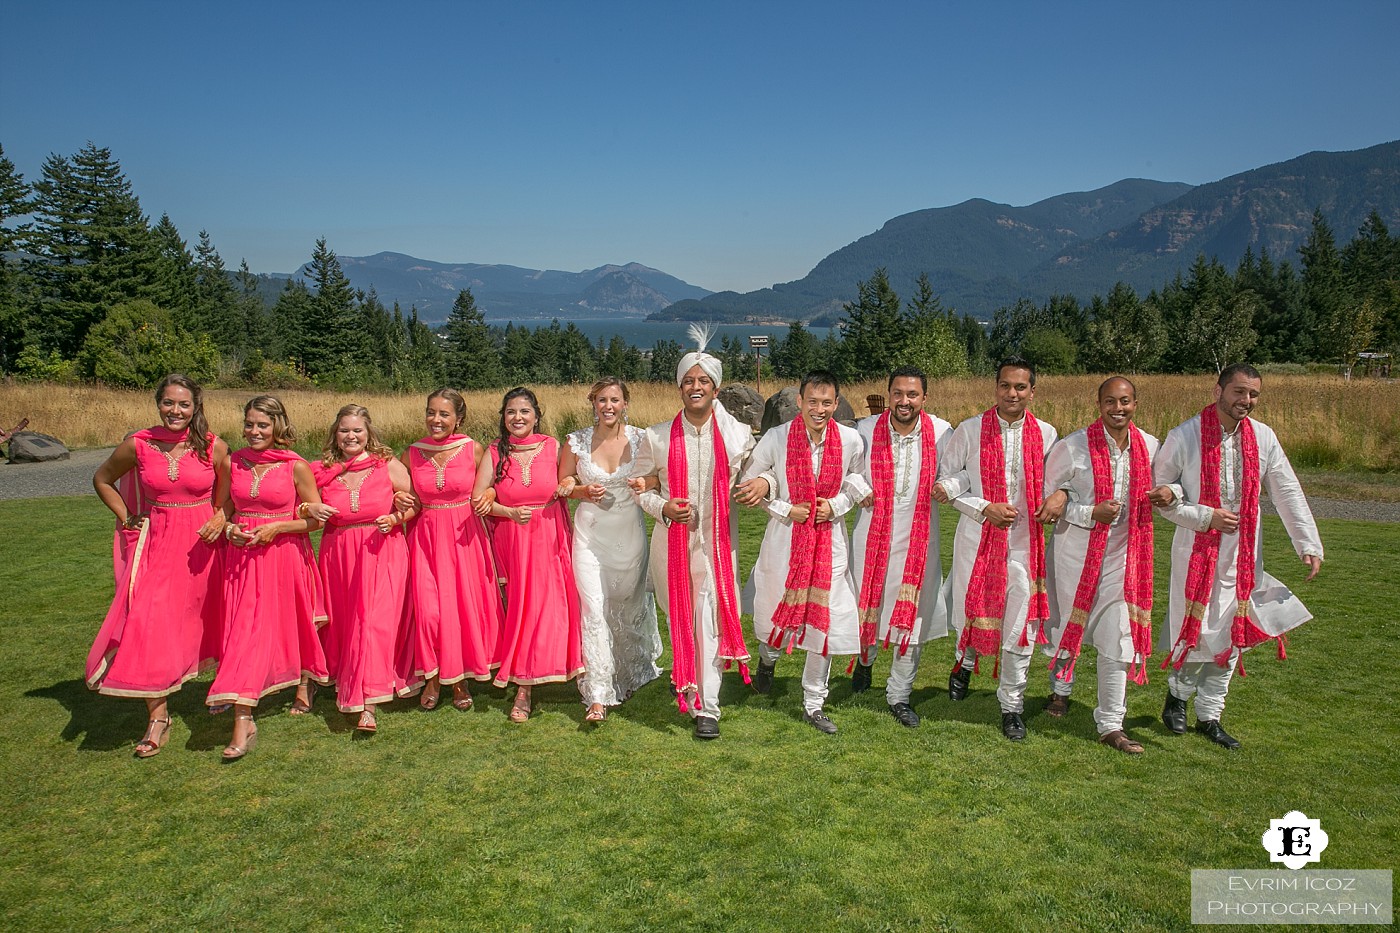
463 820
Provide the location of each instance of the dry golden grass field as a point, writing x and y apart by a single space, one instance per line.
1324 422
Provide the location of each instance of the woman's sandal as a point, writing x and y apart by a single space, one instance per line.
150 745
367 723
461 699
430 700
596 713
520 713
235 752
1118 739
302 707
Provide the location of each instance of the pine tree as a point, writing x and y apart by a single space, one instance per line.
331 338
1371 269
94 244
1125 335
873 331
217 309
14 282
173 286
425 358
795 354
665 357
472 360
289 322
1324 288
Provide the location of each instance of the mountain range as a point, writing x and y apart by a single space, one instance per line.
511 292
981 255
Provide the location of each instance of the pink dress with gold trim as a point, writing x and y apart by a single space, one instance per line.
542 641
272 593
163 626
368 640
456 601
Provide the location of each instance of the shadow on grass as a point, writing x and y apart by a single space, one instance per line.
103 724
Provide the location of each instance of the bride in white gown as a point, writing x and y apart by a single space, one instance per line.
620 638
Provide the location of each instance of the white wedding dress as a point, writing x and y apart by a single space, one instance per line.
620 638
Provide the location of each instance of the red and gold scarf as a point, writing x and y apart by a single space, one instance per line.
1137 577
681 617
877 541
807 592
986 591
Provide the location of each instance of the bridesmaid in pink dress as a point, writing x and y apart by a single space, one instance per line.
542 638
364 562
163 626
456 601
272 588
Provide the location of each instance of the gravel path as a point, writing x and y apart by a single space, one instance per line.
73 477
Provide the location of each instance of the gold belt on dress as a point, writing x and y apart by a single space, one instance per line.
178 505
265 514
446 505
352 525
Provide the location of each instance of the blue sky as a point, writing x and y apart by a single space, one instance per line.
731 144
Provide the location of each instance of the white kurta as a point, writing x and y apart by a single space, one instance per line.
1068 467
770 572
653 456
960 472
1274 609
931 615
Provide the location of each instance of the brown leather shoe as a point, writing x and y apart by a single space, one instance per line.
1119 739
1057 706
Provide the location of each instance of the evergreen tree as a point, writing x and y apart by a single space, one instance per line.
925 306
1324 288
516 347
218 311
426 367
471 357
257 328
330 340
620 359
137 343
173 285
873 331
289 321
576 361
665 357
974 340
1371 269
795 354
934 347
94 246
14 282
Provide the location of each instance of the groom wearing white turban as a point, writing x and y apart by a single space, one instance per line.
697 458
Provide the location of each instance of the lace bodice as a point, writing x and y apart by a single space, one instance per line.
581 443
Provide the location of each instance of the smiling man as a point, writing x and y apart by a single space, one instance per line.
1100 583
803 593
1209 474
897 561
696 459
994 475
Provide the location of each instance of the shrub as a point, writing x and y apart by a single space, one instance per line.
137 344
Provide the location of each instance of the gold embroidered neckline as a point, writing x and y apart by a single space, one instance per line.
172 462
343 480
441 465
524 454
259 477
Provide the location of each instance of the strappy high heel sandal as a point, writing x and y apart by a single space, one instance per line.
596 713
519 712
150 745
235 752
461 698
300 707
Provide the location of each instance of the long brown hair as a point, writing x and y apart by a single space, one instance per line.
199 428
376 448
503 440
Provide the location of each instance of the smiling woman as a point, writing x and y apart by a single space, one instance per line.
162 628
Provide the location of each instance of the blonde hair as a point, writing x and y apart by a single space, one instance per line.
608 382
283 434
454 398
376 448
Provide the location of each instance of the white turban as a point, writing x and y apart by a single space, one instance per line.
710 365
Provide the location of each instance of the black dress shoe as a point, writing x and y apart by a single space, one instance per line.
706 727
860 677
1174 715
957 683
820 721
1210 728
905 714
763 677
1013 726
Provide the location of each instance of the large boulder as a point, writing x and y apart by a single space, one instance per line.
783 406
743 403
33 447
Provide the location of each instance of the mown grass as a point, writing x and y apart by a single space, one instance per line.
449 820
